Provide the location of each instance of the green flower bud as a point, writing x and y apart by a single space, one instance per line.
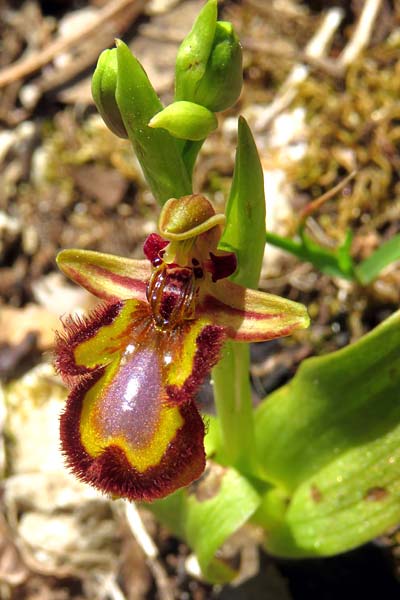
104 84
209 63
222 82
185 120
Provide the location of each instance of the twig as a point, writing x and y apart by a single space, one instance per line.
318 202
138 529
362 33
315 48
32 63
149 548
111 588
359 40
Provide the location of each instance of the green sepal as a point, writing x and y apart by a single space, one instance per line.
336 460
104 84
185 120
183 219
156 150
106 276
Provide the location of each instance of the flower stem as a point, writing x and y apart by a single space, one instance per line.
233 401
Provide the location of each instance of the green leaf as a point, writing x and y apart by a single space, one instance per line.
244 233
344 257
207 513
336 263
330 440
370 268
156 150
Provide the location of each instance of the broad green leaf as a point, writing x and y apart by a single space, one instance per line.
330 440
156 149
207 513
334 403
370 268
347 503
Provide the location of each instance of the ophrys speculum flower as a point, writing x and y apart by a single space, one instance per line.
131 426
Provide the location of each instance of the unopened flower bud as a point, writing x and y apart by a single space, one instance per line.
209 63
104 83
185 120
223 79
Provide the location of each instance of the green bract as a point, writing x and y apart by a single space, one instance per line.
209 63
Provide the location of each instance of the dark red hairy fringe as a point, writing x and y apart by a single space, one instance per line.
209 343
111 473
77 330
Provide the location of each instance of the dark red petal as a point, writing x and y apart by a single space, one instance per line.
111 473
153 246
221 266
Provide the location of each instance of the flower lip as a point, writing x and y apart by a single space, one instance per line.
111 471
111 387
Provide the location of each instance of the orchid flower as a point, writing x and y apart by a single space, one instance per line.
131 427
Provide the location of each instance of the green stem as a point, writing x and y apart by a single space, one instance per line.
156 150
233 402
